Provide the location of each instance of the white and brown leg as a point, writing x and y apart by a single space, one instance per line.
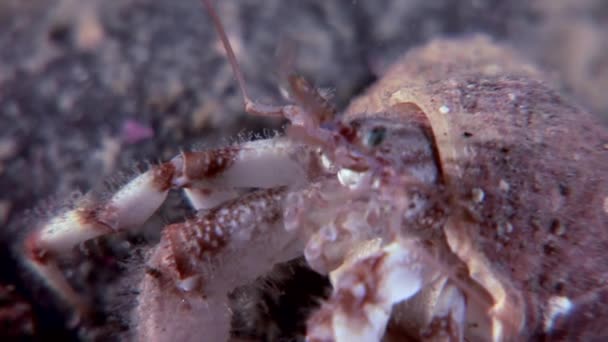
129 207
365 292
215 176
263 163
208 176
448 316
202 259
436 313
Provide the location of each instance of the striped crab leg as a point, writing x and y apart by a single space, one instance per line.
208 178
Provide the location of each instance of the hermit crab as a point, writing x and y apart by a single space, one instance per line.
459 198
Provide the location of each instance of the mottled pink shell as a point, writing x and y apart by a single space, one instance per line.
539 167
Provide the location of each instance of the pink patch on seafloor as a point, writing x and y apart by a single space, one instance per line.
134 131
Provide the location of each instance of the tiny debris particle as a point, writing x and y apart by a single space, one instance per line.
5 209
16 311
108 154
478 195
202 116
558 228
134 131
504 228
512 97
500 230
90 32
503 185
8 148
556 306
444 109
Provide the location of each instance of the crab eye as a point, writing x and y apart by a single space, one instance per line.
375 137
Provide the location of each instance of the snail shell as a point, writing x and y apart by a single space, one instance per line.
535 168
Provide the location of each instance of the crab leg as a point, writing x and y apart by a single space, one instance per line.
128 208
365 292
209 177
276 162
204 258
227 228
448 316
214 176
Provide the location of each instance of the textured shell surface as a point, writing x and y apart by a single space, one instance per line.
534 168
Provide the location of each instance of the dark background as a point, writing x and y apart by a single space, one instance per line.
76 74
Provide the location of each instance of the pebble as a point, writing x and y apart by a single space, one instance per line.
8 148
5 209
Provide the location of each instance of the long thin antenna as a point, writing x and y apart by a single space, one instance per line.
251 107
231 56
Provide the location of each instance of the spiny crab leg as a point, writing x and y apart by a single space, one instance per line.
211 254
233 226
209 176
366 290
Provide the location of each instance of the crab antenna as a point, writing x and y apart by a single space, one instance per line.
231 56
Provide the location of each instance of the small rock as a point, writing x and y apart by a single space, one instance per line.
503 185
478 195
558 228
8 148
90 32
16 316
201 117
504 228
5 209
108 154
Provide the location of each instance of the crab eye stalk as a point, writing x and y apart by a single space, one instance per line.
375 137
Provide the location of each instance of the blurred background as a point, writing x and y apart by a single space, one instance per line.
93 90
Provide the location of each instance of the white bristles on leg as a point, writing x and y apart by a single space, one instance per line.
277 162
65 231
130 207
274 161
137 200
